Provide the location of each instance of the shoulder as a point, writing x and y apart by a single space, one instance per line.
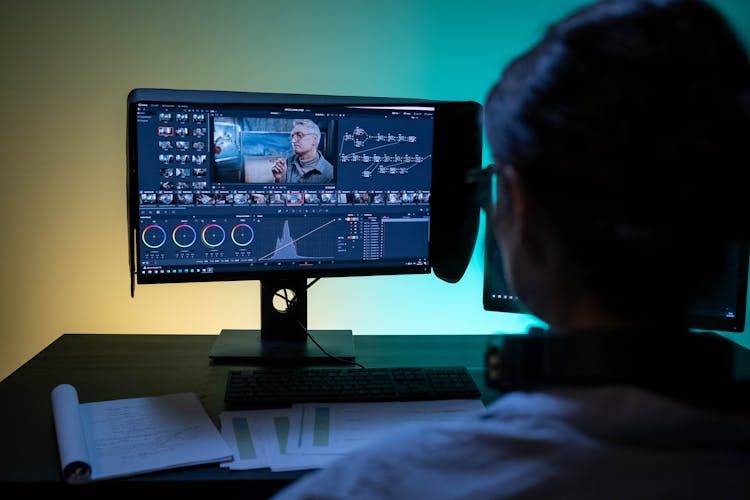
324 165
576 442
444 460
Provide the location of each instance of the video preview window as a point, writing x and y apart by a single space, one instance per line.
273 150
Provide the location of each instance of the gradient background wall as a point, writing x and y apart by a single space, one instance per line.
67 68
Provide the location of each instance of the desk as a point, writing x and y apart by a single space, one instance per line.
104 367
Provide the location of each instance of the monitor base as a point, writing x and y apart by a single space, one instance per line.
247 346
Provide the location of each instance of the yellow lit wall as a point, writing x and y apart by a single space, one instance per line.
65 71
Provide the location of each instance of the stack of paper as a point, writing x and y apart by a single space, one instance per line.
310 436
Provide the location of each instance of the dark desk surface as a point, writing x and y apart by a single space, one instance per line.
105 366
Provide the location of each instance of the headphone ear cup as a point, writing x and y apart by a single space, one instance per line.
510 362
657 360
492 367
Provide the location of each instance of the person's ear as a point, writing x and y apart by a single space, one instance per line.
515 201
526 217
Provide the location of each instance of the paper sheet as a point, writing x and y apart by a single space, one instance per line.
74 456
259 168
313 435
256 437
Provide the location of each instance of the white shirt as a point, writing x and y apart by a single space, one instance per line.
598 443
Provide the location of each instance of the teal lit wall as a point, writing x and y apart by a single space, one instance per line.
67 68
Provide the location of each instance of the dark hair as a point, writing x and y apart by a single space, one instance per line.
628 125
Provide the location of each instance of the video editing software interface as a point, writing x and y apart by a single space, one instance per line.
722 309
211 200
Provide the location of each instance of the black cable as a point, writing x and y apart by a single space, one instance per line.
340 360
290 303
286 298
131 258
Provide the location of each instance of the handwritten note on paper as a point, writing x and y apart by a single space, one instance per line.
131 436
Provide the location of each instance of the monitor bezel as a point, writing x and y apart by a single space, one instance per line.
493 274
737 323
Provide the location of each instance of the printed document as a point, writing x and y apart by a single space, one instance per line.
312 435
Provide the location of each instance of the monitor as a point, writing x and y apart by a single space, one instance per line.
285 188
720 310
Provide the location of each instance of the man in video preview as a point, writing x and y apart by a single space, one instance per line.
307 164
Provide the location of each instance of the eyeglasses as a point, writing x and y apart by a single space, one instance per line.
298 136
483 179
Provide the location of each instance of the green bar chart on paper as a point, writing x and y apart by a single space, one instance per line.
282 432
322 429
245 446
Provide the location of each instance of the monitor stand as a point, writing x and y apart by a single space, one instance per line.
282 337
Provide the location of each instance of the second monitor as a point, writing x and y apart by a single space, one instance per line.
720 309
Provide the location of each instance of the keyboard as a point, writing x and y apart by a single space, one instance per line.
281 387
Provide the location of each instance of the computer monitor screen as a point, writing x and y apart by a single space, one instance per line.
723 309
282 188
